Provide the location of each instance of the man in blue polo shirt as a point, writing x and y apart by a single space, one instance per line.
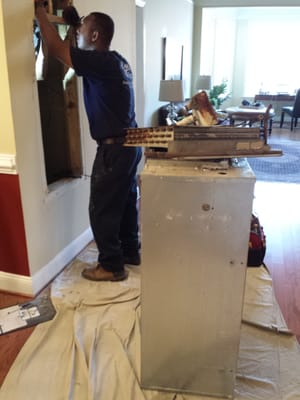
109 103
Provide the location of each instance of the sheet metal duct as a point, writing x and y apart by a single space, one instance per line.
195 232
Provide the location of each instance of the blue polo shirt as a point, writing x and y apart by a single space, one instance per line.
108 91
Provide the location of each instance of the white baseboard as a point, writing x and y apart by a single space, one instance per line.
30 286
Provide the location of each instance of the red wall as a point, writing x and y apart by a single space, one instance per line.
13 250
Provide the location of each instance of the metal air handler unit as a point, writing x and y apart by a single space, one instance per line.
195 218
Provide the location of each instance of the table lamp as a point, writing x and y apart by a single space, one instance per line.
172 91
204 82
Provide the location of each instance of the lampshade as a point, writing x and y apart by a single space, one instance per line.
171 90
204 82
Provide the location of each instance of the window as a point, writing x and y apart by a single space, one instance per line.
253 48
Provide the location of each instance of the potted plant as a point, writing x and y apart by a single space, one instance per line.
217 94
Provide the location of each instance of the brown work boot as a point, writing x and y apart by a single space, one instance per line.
98 273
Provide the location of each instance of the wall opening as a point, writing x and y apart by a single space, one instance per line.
58 101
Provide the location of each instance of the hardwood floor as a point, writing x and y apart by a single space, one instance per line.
11 343
277 205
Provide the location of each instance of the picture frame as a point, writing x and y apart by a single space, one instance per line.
172 59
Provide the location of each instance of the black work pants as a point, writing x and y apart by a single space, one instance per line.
113 205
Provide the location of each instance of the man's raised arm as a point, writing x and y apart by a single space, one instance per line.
57 47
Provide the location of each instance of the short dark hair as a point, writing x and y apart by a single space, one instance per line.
105 25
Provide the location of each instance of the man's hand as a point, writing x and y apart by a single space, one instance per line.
71 16
41 5
62 4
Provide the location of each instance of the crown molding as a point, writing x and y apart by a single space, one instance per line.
246 3
8 164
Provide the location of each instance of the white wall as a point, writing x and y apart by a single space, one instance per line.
52 220
56 222
172 19
7 140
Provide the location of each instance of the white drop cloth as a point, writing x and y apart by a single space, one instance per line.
91 350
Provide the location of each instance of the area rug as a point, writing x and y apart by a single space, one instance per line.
91 349
285 168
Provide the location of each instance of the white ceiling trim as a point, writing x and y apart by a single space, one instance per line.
140 3
247 3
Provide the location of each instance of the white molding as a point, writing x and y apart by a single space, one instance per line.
140 3
8 164
30 286
45 275
246 3
16 283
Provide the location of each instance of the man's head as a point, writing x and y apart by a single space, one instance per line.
95 32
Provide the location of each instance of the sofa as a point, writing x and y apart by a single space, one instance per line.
164 111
